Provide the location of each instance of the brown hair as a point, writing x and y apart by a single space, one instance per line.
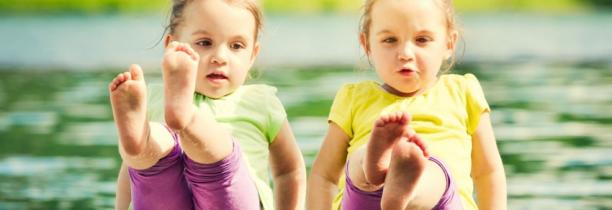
178 7
446 5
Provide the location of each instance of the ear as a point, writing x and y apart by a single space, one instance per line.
363 41
169 38
255 52
452 43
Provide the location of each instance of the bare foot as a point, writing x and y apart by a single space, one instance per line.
128 95
388 130
407 165
180 66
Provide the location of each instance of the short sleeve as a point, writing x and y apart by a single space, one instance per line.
277 113
341 109
476 102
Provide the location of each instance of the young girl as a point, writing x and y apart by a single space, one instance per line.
214 150
419 140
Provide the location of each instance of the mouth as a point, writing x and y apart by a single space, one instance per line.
216 76
407 71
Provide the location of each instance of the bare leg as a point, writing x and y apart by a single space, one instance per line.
412 181
405 172
202 138
141 144
387 131
368 166
398 156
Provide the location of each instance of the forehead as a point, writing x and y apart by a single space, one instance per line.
218 17
407 15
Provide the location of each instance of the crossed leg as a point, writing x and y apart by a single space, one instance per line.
148 149
202 138
214 165
141 143
396 158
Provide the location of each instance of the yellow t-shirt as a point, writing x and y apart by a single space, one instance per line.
445 116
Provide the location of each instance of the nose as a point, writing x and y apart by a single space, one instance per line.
219 56
406 53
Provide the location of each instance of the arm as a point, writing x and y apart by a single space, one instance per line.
487 168
123 195
288 170
326 169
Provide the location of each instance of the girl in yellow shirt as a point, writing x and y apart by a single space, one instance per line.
418 140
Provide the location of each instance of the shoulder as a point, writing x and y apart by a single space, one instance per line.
256 93
260 97
258 89
358 89
457 78
464 82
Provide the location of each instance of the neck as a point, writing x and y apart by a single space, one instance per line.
396 92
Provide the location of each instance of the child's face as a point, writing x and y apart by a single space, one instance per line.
223 35
408 41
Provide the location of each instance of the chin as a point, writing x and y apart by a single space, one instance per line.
408 91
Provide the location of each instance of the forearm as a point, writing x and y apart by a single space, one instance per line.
321 193
491 190
487 168
290 190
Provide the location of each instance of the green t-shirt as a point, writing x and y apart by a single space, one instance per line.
253 114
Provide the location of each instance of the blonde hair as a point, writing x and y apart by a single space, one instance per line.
178 7
446 5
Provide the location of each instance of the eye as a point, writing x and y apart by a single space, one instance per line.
423 39
204 43
389 40
237 45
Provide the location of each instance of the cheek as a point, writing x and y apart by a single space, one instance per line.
432 58
380 54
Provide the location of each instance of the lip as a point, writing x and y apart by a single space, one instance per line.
406 71
216 77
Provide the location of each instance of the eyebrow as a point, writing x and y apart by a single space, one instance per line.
383 32
425 32
204 32
200 32
238 38
386 31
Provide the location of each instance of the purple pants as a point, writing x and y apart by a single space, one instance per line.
356 199
177 182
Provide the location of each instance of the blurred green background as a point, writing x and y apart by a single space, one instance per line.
545 67
288 6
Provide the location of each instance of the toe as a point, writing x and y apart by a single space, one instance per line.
136 72
127 76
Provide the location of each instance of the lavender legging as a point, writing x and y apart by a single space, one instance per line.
356 199
177 182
